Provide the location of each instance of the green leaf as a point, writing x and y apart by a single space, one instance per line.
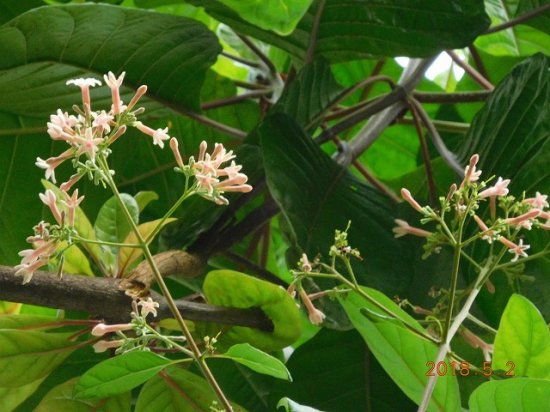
13 397
317 197
403 354
74 260
127 255
257 360
111 224
291 406
171 54
26 356
281 16
229 288
542 21
523 338
350 30
9 10
177 390
312 91
61 399
119 374
24 321
518 395
145 197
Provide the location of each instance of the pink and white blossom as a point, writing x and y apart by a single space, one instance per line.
517 249
538 202
51 163
103 345
406 195
114 84
71 203
499 189
403 228
175 150
148 306
85 85
88 143
50 200
470 172
159 135
102 121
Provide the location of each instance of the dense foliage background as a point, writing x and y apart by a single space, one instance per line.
322 116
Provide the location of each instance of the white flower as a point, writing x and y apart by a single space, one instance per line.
148 306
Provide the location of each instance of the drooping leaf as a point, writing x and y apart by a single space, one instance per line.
128 255
257 360
26 356
356 29
281 16
143 198
523 338
290 406
519 394
119 374
46 45
61 399
310 93
229 288
403 354
177 390
317 197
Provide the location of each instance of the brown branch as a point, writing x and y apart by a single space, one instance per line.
478 62
239 59
457 97
101 297
474 74
314 32
271 67
520 19
214 104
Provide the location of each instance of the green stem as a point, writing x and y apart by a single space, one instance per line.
105 243
525 259
165 291
169 341
481 324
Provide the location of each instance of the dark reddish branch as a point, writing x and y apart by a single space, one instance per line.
520 19
101 298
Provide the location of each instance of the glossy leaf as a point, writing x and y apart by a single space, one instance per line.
542 21
317 197
518 395
13 397
61 399
173 62
26 356
229 288
9 10
177 390
281 16
144 198
403 354
313 91
352 30
257 360
74 260
17 321
523 338
128 255
119 374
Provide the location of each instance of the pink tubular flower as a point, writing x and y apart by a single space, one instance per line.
208 170
139 94
71 203
518 250
488 235
50 200
102 122
88 143
103 345
499 189
175 149
524 220
114 84
51 163
65 187
410 200
102 329
159 135
148 306
85 85
27 269
315 315
470 173
538 202
403 229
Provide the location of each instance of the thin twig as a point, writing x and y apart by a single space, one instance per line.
457 97
375 72
214 104
520 19
239 59
474 74
438 143
443 125
432 191
478 62
250 44
250 86
314 33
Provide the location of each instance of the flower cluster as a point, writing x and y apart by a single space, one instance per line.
212 178
465 200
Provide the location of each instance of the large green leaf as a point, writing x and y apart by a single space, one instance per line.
26 356
234 289
317 197
47 45
13 397
403 354
281 16
61 399
542 21
523 338
518 395
119 374
11 9
313 90
257 360
177 390
335 371
356 29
